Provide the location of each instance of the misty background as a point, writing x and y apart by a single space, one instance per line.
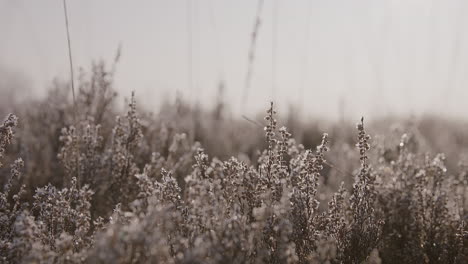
330 58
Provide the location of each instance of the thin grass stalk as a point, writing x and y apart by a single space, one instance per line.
251 57
70 58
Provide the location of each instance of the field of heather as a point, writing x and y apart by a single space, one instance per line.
246 131
93 183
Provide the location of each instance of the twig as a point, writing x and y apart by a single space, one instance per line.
252 121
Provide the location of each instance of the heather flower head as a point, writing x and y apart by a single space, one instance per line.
201 162
319 154
15 173
283 149
270 128
363 143
6 133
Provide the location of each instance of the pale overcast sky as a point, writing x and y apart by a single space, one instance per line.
397 56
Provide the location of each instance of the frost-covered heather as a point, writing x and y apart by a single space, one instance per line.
188 186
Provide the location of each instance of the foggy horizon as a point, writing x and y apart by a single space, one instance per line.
368 58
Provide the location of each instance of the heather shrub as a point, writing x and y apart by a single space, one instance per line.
421 203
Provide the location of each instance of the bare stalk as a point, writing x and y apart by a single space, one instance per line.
70 58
